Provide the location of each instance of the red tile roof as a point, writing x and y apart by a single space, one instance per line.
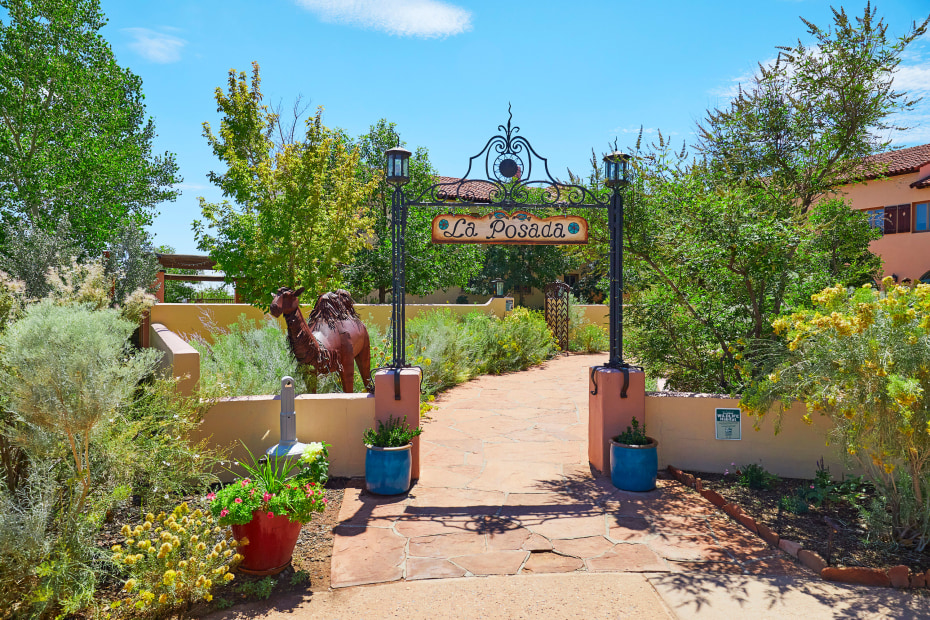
901 161
473 191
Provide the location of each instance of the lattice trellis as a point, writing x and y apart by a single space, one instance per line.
557 309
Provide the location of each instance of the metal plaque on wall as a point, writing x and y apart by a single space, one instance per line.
518 228
727 423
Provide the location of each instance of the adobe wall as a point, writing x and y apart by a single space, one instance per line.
188 320
684 426
906 255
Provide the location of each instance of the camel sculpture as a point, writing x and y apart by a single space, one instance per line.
333 339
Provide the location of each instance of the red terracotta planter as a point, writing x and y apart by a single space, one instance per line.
271 543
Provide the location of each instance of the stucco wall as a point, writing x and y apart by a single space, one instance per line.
685 429
905 254
179 358
337 419
189 320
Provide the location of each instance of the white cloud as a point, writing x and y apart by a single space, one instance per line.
914 79
406 18
156 46
647 131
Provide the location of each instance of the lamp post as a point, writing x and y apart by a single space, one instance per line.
616 170
397 173
498 287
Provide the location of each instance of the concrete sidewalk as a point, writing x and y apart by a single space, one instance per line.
577 596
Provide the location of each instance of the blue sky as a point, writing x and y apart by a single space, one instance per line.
578 74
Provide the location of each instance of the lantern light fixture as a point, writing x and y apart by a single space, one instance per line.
398 162
616 169
498 287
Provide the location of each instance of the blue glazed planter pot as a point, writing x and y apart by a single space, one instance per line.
387 470
634 468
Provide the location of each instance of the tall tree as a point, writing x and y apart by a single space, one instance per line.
808 123
74 139
749 231
429 266
299 211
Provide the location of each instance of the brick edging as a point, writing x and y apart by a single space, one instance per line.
898 576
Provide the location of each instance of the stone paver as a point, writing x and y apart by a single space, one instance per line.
505 488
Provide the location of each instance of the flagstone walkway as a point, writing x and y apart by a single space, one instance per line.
505 488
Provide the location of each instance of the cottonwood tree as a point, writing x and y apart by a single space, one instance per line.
74 137
429 266
297 212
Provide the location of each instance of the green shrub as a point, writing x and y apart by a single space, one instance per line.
756 477
633 435
516 342
793 504
589 338
438 342
92 427
248 357
173 561
395 434
583 335
260 589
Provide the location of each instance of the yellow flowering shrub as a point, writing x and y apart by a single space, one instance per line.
172 561
862 357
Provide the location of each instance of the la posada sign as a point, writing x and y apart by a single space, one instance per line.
517 228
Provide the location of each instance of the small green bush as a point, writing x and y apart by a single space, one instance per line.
248 357
260 589
793 504
395 434
633 435
756 477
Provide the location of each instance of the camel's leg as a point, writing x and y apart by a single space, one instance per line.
363 359
346 367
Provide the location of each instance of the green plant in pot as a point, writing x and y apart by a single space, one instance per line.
634 461
267 508
388 459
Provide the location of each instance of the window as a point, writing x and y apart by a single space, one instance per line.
897 219
876 218
571 279
922 217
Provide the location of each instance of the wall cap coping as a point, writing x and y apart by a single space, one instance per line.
667 394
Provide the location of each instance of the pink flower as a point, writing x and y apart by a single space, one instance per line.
267 496
224 512
238 500
244 483
211 496
270 514
812 486
325 500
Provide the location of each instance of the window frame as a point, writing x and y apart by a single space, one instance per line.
914 205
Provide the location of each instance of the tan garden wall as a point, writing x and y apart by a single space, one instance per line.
337 419
684 428
189 320
180 359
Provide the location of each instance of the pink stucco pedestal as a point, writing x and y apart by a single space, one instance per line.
407 407
608 414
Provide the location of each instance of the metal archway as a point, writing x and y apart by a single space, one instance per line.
509 162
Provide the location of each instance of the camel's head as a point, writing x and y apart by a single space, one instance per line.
285 301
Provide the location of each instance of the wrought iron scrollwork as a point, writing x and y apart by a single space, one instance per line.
509 161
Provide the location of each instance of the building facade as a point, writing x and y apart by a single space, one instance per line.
898 203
